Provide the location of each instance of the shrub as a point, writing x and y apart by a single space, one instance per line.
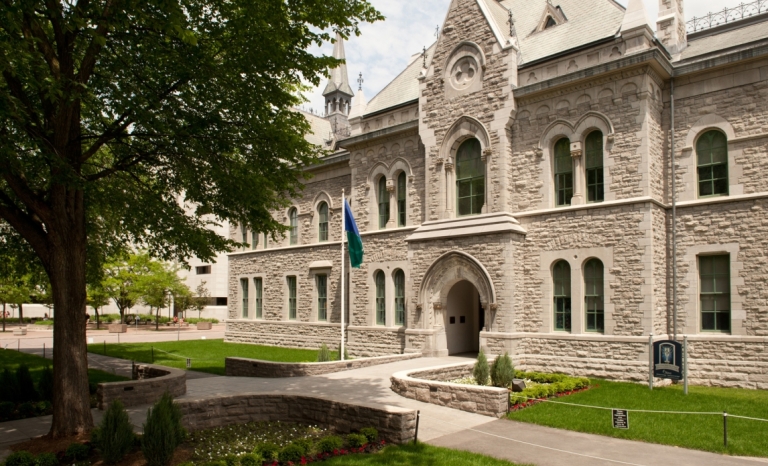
216 463
9 386
114 436
231 460
26 410
324 355
291 454
268 451
46 459
481 371
306 445
20 458
77 452
356 440
502 372
162 432
370 433
251 459
45 384
6 410
346 353
329 444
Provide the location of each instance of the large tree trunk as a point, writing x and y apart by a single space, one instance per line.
67 246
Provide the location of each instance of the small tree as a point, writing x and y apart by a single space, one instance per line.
155 286
502 371
200 298
97 298
481 370
122 277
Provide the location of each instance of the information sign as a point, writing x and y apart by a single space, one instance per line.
620 419
668 360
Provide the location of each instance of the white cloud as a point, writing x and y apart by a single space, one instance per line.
383 49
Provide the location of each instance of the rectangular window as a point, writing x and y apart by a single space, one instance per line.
401 220
203 270
715 289
322 297
244 236
291 298
254 240
594 167
381 304
399 298
562 296
244 294
563 173
266 244
258 295
221 301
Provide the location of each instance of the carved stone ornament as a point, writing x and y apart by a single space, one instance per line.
538 151
449 164
487 153
439 161
609 139
576 149
390 186
576 153
419 307
437 306
494 307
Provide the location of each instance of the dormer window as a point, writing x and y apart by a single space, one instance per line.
551 16
550 23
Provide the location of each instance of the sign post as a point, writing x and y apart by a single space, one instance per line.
650 361
685 365
620 419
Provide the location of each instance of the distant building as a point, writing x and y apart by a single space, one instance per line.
514 189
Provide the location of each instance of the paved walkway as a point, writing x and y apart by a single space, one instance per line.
518 442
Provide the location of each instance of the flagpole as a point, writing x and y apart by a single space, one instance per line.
343 234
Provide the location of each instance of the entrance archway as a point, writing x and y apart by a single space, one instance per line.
463 319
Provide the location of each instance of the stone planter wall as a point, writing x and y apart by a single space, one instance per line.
204 325
395 425
149 385
241 367
117 328
488 401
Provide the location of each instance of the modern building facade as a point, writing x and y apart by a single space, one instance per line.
538 182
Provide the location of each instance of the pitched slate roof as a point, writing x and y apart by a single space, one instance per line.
404 88
726 39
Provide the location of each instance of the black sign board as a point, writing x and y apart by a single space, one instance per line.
620 419
668 360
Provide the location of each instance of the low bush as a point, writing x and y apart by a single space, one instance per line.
324 355
44 322
25 385
45 384
195 320
20 458
329 444
9 387
548 385
356 440
370 433
6 410
27 409
307 446
251 459
46 459
292 453
502 371
114 437
231 460
268 451
163 432
481 371
77 452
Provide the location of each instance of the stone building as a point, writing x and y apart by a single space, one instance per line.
515 185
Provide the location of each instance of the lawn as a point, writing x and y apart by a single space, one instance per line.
701 432
12 359
419 455
206 355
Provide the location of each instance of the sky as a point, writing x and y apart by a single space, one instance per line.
384 48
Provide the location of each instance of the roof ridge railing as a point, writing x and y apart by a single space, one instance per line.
727 15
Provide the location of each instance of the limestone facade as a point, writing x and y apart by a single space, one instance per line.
459 274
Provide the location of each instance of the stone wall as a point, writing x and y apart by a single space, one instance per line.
288 334
242 367
152 382
488 401
395 425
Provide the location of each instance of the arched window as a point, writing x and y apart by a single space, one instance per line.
399 297
254 240
401 215
383 203
470 178
322 211
563 172
562 296
712 164
381 304
594 167
594 298
293 218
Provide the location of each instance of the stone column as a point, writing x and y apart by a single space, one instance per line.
450 189
392 223
486 158
578 174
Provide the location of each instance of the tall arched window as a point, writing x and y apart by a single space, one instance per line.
562 296
470 178
322 211
383 203
594 167
244 236
401 215
594 298
563 172
399 297
381 303
254 240
293 218
712 163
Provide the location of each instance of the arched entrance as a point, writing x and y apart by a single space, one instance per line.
463 319
456 297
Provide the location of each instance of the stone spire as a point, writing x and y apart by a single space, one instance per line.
670 27
338 95
636 29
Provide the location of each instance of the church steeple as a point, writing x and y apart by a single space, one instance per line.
338 94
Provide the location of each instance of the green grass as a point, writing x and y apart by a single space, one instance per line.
207 355
12 359
418 455
701 432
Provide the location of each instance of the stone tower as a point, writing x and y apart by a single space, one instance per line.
670 27
338 95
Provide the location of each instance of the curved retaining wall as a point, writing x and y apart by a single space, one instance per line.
149 384
396 425
421 385
241 367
